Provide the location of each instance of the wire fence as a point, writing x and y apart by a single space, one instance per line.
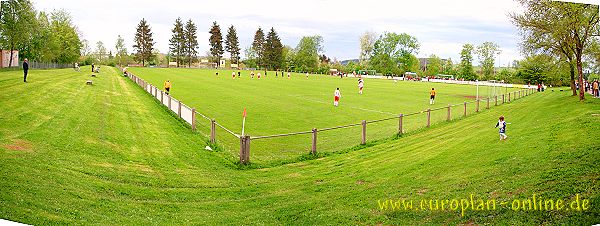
39 65
287 146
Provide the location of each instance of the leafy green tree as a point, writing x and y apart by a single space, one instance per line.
177 42
535 69
65 38
121 50
448 67
392 50
17 25
42 45
85 47
100 52
367 43
191 41
487 52
307 52
434 67
288 57
466 63
216 43
251 57
559 28
144 43
257 46
273 50
232 45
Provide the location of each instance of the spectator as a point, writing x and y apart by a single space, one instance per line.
25 69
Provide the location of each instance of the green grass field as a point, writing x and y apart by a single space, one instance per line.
278 105
109 154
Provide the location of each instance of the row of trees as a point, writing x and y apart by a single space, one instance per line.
39 36
183 45
393 53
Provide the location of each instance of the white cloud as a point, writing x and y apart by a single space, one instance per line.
441 26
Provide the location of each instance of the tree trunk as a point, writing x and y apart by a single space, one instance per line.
572 67
580 72
12 47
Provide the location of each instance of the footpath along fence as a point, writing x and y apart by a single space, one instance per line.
446 113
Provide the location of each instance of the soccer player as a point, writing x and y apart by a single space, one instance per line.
306 75
361 84
432 96
258 75
289 75
239 74
167 87
336 97
233 74
501 125
252 74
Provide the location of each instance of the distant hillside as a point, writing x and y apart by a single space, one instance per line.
345 62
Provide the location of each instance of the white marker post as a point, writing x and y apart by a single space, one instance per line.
243 121
477 84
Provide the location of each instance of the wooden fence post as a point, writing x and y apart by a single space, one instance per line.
243 150
496 100
488 103
364 132
194 119
508 97
213 131
247 155
161 97
503 99
314 142
477 105
179 109
400 123
465 114
428 117
449 114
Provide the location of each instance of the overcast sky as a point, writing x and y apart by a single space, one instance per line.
441 26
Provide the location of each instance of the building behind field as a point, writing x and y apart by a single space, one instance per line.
5 58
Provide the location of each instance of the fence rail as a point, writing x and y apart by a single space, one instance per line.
189 114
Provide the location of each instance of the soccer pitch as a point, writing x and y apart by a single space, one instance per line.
277 105
108 154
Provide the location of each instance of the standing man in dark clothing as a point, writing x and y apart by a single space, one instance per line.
25 69
93 67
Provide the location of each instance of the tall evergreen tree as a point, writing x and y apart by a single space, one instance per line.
177 41
191 41
216 42
232 44
273 51
257 46
143 42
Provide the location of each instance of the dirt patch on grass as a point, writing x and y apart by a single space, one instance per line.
422 191
470 97
20 145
